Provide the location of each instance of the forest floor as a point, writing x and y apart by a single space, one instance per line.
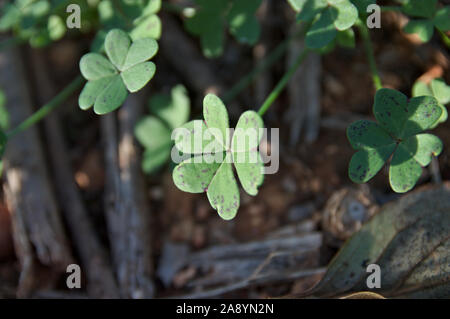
309 200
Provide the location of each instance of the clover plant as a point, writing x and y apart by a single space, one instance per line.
327 18
210 151
399 132
210 169
212 17
137 17
154 131
126 69
437 88
427 16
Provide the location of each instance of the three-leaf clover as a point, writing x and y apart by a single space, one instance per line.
125 69
154 131
398 132
438 89
139 18
212 16
327 18
429 18
213 151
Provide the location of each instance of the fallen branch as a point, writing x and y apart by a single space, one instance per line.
37 226
249 283
126 206
94 259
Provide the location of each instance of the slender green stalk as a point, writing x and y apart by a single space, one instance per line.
444 38
263 65
266 63
282 83
47 108
370 55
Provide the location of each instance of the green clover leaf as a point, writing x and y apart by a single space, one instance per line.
243 24
212 16
213 151
154 131
362 5
327 17
439 90
420 8
139 18
398 132
127 68
430 18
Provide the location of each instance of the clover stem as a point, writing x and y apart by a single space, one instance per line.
444 38
283 82
370 55
47 108
264 64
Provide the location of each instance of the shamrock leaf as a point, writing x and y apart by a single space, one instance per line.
327 17
398 132
438 89
125 69
429 18
154 131
420 8
139 18
362 5
210 168
243 24
212 16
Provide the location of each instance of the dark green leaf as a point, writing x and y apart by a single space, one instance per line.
243 24
310 9
322 32
408 239
420 8
423 28
442 19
